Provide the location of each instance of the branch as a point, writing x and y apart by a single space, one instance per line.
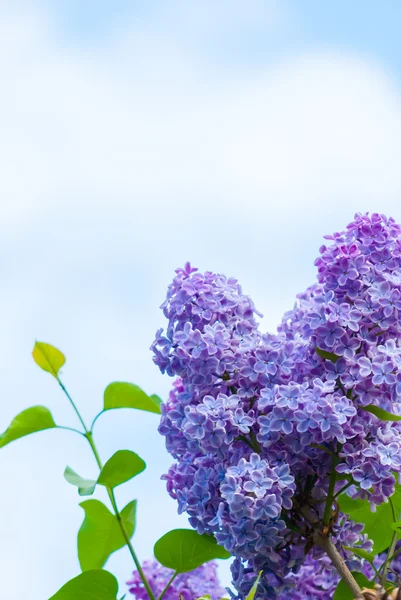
328 546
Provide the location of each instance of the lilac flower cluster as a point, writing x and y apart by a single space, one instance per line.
199 582
258 422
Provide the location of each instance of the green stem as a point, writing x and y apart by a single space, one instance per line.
343 489
254 441
168 585
330 493
70 429
72 404
395 554
95 419
88 435
387 562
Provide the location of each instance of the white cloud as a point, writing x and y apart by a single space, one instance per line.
141 126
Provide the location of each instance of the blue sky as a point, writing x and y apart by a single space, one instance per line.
136 136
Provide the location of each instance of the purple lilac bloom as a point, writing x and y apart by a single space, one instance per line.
197 583
262 413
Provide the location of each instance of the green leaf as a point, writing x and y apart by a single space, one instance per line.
48 358
253 589
156 399
184 550
128 517
381 414
377 524
361 553
128 395
100 534
31 420
121 467
327 355
344 593
86 487
91 585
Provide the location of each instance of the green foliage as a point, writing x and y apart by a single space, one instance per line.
100 534
86 487
121 467
184 550
327 355
128 395
344 593
377 524
252 591
381 414
48 358
30 420
91 585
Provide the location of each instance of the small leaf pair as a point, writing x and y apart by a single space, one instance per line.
121 467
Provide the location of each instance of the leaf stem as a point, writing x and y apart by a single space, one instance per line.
96 418
70 429
72 403
88 435
343 489
386 565
395 554
168 585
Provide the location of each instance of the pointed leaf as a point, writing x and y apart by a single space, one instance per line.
48 358
183 550
327 355
253 589
128 517
31 420
344 593
381 414
86 487
127 395
100 534
121 467
91 585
